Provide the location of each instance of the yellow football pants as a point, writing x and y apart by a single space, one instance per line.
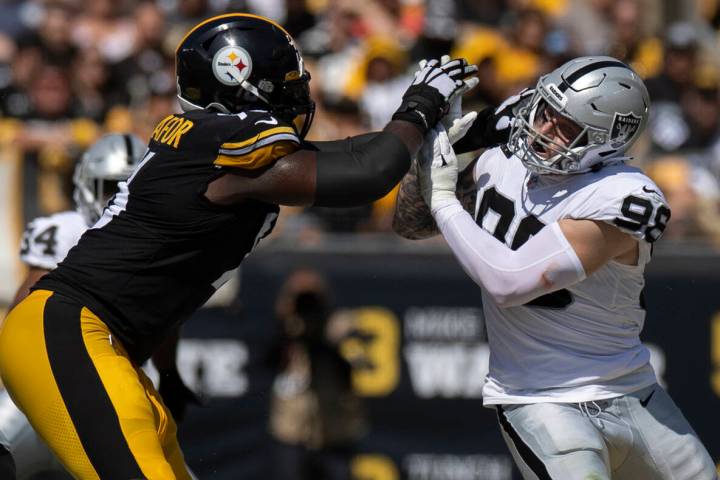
96 410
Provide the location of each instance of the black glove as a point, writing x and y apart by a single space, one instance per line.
493 125
176 395
427 99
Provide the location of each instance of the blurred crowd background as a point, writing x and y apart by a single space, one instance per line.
71 70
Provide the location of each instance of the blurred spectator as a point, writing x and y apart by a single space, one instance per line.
315 417
679 64
509 59
51 41
334 42
110 66
588 23
632 42
380 81
693 195
440 28
101 24
150 67
694 122
95 92
183 16
48 140
298 18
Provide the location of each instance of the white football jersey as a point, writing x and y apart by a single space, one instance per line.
581 343
47 240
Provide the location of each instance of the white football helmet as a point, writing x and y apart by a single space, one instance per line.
604 97
109 160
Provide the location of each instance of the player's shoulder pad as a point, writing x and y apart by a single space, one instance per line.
626 198
46 240
69 223
491 160
258 139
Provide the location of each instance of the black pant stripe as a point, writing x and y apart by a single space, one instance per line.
87 402
565 84
531 460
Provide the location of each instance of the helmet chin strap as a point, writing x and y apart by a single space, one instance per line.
252 89
187 106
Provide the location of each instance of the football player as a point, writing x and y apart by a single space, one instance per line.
557 239
207 191
45 244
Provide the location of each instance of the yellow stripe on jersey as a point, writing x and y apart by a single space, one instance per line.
259 157
258 137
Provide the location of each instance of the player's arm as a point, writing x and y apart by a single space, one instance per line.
360 171
558 256
412 218
489 128
346 176
34 274
492 125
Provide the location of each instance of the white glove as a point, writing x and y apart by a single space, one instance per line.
434 85
437 170
454 122
446 77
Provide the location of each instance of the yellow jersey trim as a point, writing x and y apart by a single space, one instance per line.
260 157
264 134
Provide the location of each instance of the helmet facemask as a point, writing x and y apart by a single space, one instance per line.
92 194
108 161
295 105
559 154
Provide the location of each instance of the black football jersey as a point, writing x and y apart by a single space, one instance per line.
161 248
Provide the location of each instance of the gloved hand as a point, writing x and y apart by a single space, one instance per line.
454 122
492 126
437 170
428 97
176 395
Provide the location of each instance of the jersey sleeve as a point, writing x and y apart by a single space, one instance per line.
47 240
635 205
261 139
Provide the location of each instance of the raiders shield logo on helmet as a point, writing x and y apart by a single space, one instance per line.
623 128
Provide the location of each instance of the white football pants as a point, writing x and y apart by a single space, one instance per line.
642 435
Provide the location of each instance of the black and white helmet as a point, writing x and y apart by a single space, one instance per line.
605 98
109 160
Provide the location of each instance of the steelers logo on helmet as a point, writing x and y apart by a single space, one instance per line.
232 65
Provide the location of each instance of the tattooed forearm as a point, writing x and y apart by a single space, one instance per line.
412 218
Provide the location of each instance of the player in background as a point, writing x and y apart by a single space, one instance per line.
558 239
47 240
45 244
207 191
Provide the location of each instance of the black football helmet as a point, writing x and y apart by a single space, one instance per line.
237 60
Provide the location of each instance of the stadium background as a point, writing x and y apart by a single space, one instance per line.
72 70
